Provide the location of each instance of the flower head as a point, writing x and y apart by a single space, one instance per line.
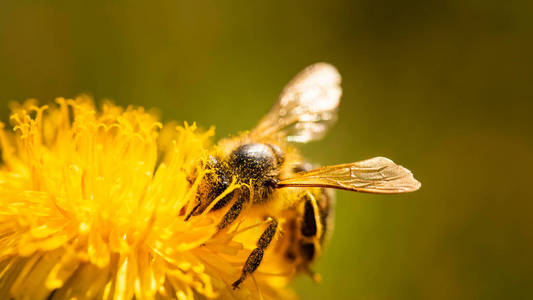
92 206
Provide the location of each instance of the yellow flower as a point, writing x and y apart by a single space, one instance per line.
92 206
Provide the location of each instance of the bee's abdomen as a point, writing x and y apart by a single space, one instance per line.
308 251
308 226
307 231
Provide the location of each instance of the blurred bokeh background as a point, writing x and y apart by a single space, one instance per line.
443 87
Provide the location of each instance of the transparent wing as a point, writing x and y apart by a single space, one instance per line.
376 175
306 107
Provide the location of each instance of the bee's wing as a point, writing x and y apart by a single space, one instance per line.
376 175
306 107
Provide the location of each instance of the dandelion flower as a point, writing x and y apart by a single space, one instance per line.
92 204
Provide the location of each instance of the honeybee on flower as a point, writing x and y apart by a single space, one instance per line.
113 204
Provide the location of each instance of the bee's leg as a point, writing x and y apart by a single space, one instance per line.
193 210
254 259
197 209
235 209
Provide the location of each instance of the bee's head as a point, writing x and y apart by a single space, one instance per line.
256 162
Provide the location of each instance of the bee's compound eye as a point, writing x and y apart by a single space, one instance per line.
252 160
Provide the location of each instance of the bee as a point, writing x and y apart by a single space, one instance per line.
277 181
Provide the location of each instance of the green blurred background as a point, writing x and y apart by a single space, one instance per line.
443 87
